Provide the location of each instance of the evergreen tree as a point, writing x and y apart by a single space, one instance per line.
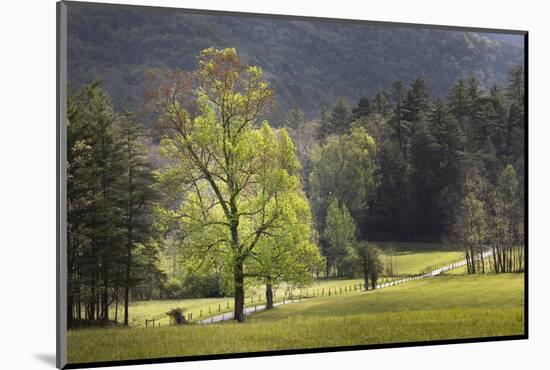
363 108
295 118
338 121
136 196
95 171
418 100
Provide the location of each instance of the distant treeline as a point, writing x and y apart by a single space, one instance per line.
408 183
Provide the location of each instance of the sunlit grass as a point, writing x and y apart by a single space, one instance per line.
410 258
202 308
446 307
415 258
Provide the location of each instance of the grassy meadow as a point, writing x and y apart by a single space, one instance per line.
445 307
414 258
156 309
410 258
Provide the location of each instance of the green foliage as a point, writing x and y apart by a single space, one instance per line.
147 271
234 187
109 203
338 121
172 289
369 259
343 168
176 316
479 121
202 286
295 118
340 236
426 148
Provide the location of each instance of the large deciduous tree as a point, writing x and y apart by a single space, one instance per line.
234 182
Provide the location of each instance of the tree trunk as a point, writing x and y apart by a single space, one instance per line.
128 242
482 260
69 313
238 277
127 286
495 264
105 301
366 273
116 306
268 296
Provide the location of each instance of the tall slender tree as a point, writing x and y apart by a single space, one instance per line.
136 196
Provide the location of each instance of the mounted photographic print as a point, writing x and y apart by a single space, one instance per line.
234 184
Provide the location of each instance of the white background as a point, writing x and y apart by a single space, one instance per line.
27 182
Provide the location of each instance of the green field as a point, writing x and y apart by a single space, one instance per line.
156 309
414 258
448 307
410 258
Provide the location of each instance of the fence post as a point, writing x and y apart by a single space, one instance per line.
200 315
219 307
145 322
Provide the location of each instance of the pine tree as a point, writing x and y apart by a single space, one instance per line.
295 118
363 108
337 120
136 197
95 169
418 100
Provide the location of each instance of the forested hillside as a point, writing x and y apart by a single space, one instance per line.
308 63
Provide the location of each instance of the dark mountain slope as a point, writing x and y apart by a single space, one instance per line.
309 63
